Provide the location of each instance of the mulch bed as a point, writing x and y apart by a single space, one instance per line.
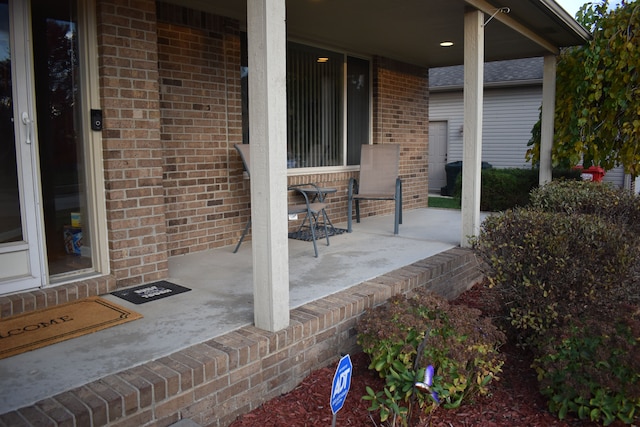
514 399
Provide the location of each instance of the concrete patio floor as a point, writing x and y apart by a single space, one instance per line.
221 300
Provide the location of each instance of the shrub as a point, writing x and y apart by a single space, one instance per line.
567 271
550 267
618 206
404 335
591 368
503 189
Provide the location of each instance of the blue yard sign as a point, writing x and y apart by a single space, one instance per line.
341 384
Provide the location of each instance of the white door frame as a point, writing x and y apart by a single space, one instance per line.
22 263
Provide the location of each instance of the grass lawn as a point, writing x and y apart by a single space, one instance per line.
443 202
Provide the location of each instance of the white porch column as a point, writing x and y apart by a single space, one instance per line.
547 118
472 134
266 35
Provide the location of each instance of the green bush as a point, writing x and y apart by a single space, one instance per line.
405 335
618 206
591 368
503 189
551 267
567 271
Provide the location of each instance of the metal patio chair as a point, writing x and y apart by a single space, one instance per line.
312 210
379 180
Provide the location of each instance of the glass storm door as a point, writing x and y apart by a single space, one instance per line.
42 183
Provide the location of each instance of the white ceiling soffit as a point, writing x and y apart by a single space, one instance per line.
411 30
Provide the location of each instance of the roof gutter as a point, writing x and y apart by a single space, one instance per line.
566 19
488 85
550 7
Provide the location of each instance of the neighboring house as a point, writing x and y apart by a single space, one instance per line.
512 99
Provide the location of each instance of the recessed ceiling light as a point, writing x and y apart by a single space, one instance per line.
446 43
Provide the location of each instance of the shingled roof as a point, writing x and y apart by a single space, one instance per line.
511 72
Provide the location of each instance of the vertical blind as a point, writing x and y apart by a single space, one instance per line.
358 107
315 106
320 104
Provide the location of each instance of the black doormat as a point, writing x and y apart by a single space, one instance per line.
305 233
151 292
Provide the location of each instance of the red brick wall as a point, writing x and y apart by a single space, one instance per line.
401 116
201 119
131 140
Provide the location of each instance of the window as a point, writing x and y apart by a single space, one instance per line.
358 107
328 118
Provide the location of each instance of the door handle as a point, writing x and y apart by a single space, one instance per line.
26 120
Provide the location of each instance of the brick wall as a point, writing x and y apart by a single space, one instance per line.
37 299
207 200
400 116
337 202
201 119
131 140
214 382
170 84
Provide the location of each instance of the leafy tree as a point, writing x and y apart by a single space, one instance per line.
597 116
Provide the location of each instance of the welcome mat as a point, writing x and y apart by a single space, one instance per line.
305 233
151 292
29 331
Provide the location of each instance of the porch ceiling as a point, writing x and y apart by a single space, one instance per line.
411 30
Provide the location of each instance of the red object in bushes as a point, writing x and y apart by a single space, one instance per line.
596 171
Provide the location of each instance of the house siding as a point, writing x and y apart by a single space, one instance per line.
509 116
616 176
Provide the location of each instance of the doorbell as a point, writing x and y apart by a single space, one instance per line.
96 119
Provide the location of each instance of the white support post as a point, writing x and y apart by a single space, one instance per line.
472 134
266 36
547 118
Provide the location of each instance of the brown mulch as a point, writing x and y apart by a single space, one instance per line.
513 401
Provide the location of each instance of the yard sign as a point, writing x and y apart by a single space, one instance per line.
341 384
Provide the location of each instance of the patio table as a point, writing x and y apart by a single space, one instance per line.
320 194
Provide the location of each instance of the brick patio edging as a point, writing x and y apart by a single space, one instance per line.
214 382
